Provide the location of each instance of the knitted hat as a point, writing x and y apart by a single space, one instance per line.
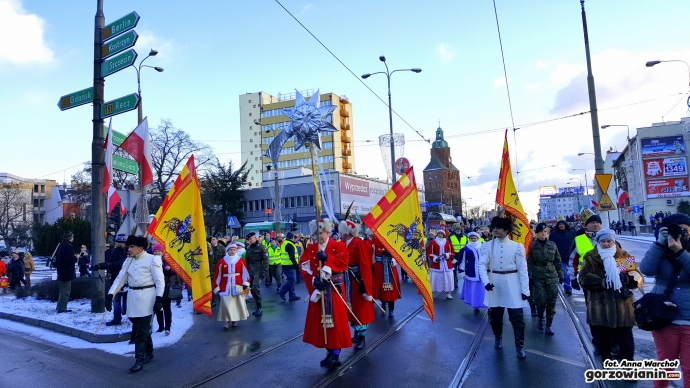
158 247
605 234
676 219
67 235
475 234
594 218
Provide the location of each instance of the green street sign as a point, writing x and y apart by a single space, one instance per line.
118 137
120 26
126 165
120 105
118 63
75 99
121 43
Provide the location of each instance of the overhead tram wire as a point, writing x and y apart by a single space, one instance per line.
351 72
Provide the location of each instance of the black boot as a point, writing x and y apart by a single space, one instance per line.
335 361
520 343
327 361
540 324
140 356
360 342
498 343
533 312
548 330
391 307
259 312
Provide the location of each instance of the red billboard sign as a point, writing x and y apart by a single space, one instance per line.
666 167
354 186
668 187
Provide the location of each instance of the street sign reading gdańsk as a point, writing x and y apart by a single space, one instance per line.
118 62
81 97
120 26
118 44
120 105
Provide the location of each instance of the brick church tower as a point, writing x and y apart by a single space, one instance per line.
441 178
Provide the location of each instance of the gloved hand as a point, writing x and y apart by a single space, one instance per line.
575 284
244 286
525 297
385 252
663 236
319 285
158 306
109 302
368 297
489 287
560 280
628 281
97 267
322 256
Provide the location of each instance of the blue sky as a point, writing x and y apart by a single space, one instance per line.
213 51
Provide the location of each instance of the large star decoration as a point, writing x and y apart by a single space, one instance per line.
308 121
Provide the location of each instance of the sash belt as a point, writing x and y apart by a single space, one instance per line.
142 287
338 278
379 259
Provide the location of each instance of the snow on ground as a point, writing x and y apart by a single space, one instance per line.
82 318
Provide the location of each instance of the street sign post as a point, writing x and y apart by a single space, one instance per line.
121 43
81 97
605 202
118 137
120 26
120 105
118 63
126 165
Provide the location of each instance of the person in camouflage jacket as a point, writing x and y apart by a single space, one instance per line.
256 257
545 273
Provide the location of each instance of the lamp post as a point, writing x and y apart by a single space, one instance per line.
584 153
586 187
142 214
578 192
390 108
618 125
653 63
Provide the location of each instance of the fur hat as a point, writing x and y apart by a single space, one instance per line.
325 225
137 241
441 231
502 223
231 245
348 227
475 234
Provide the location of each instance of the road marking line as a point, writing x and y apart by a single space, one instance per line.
551 356
464 330
426 319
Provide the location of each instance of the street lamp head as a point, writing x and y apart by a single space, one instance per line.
605 126
382 58
153 53
256 122
652 63
416 70
365 76
159 69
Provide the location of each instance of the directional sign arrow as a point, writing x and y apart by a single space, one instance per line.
75 99
118 63
120 26
121 43
118 137
120 105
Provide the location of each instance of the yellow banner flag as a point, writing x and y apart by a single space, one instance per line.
396 220
507 197
179 226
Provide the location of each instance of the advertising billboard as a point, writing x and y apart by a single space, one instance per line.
668 187
666 167
545 191
364 193
571 190
662 146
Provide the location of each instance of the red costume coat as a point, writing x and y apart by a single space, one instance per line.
362 308
339 335
434 250
223 269
377 269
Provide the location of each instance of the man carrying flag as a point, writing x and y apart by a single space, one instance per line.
179 226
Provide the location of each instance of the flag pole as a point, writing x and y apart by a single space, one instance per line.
317 210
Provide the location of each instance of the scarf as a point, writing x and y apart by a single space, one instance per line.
613 280
232 285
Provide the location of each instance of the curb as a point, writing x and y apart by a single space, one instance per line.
81 334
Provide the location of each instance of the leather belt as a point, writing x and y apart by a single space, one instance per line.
338 278
142 287
503 272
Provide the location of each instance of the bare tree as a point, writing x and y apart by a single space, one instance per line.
171 148
475 213
16 212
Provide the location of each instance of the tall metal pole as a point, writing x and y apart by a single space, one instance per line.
142 215
277 205
97 165
390 119
598 161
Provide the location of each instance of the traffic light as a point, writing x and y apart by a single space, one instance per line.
294 227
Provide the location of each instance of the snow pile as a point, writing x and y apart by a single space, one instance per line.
82 318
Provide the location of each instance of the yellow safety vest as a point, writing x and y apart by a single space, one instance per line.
458 245
284 256
583 245
481 239
274 255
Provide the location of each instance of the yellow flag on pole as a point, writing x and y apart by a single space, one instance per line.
179 226
397 222
507 197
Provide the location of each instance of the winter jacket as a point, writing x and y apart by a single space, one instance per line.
171 278
29 265
605 307
563 239
544 262
16 269
3 268
114 261
65 261
655 264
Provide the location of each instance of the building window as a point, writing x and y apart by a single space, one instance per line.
292 201
251 140
311 200
251 206
299 201
250 101
250 113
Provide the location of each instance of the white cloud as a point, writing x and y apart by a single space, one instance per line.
533 86
148 41
542 64
564 73
445 51
306 8
22 34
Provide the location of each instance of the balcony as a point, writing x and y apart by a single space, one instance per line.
347 152
347 165
344 113
345 139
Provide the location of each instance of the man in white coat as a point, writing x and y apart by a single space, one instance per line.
503 271
144 274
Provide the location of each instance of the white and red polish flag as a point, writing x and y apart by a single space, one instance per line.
107 186
622 196
138 144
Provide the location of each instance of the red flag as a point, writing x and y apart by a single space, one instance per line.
108 170
622 196
113 199
138 144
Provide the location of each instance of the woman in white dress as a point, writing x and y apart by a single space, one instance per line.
441 252
231 279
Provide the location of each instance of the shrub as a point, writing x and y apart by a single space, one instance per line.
50 289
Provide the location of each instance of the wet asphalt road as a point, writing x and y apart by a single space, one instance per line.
269 352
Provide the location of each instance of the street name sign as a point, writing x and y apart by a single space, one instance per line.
118 63
126 165
604 181
118 137
75 99
121 43
120 26
120 105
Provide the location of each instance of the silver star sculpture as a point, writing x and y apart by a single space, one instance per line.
308 121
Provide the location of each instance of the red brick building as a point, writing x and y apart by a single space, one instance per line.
441 177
